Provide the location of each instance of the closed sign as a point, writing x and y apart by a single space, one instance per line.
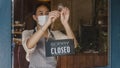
59 47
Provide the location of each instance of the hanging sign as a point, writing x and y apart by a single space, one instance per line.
59 47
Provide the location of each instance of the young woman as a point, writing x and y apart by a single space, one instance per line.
33 41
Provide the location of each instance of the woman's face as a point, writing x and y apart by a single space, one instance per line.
42 10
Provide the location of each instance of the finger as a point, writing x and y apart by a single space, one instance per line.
54 18
62 13
66 10
55 13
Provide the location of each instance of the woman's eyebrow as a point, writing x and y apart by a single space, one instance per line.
40 11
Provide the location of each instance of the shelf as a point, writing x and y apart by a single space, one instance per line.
17 41
16 32
18 25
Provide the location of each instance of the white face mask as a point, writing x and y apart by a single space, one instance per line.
42 19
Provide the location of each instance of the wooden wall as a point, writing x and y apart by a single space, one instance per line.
83 60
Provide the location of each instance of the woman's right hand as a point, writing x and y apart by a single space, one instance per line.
53 15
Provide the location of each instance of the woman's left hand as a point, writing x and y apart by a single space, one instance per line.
65 13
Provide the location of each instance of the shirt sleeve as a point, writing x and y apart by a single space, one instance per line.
25 36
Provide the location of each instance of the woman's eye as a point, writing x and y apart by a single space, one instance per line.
41 13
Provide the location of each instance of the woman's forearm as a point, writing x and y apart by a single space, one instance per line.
32 41
70 33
